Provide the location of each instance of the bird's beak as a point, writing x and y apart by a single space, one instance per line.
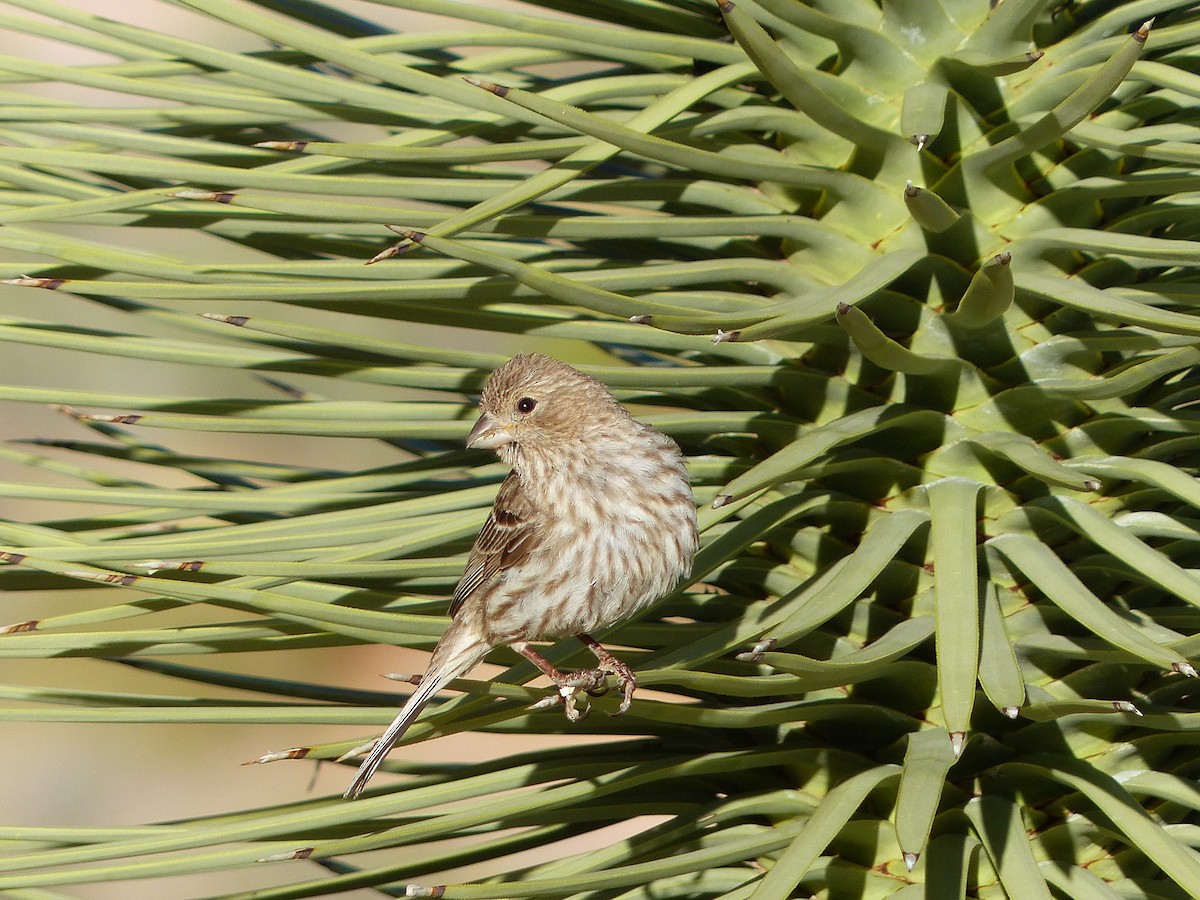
487 435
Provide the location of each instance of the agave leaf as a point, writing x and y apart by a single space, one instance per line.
997 822
838 807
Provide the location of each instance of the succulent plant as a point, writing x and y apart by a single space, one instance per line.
911 281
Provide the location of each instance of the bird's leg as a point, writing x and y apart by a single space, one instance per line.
569 684
609 664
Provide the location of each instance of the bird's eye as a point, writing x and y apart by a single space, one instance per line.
525 405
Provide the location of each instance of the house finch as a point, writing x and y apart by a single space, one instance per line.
595 522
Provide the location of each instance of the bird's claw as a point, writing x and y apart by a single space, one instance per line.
626 681
594 683
566 696
628 686
574 713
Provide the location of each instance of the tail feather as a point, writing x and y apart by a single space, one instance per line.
451 659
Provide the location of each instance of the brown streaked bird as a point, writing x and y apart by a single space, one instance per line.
595 522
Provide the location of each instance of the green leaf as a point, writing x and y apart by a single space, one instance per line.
997 822
838 807
927 759
953 530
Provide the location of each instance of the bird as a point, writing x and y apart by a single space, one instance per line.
595 521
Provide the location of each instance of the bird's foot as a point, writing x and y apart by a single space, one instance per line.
567 696
610 665
626 680
593 682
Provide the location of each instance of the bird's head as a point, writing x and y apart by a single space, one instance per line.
536 404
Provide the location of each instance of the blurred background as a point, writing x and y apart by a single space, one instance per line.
87 775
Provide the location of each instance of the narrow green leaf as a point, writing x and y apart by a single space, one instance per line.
843 582
929 210
837 808
1154 473
988 296
1051 576
673 153
1024 452
796 85
1077 882
794 457
999 673
560 288
1173 857
927 759
858 665
1128 380
922 114
1077 294
820 305
885 352
1104 532
1056 123
953 530
998 67
997 821
947 864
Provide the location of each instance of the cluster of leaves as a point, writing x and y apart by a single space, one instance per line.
916 299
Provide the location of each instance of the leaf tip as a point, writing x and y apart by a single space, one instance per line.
498 89
755 653
416 890
408 234
910 859
20 627
119 419
405 677
49 284
293 753
297 146
228 320
298 853
957 740
209 196
394 250
154 566
120 579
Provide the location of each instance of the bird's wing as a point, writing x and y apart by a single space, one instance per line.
508 536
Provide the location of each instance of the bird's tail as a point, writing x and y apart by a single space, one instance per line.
456 654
